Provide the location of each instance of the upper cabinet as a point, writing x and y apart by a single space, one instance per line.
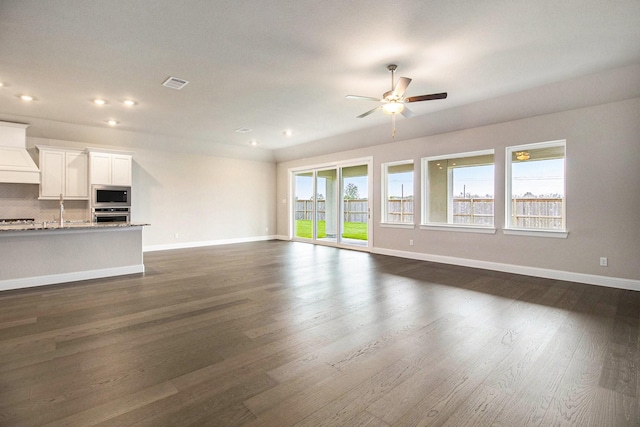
109 168
63 172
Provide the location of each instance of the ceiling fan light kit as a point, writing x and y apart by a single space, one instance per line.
393 107
393 101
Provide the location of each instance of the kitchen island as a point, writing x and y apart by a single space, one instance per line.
48 253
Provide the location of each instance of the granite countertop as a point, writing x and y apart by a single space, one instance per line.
39 226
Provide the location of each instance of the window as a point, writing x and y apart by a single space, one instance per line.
536 186
397 188
459 189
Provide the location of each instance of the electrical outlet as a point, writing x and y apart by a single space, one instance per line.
177 235
410 242
604 261
266 229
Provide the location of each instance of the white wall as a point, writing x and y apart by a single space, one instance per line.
602 173
202 198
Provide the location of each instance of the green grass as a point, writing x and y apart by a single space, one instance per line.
352 230
355 230
303 229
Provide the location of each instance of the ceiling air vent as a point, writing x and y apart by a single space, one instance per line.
175 83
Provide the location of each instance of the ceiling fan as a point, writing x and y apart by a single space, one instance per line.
393 101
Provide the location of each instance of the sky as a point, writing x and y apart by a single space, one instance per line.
543 177
539 177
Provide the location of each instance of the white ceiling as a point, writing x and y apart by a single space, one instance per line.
283 64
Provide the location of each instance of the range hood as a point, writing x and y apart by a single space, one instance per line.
16 165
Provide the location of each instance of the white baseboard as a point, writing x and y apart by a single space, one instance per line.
29 282
186 245
590 279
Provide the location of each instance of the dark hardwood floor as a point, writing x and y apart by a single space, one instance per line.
290 334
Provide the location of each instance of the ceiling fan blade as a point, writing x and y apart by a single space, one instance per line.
365 98
431 97
407 113
401 86
369 112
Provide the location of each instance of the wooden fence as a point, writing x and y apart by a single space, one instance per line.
527 213
545 213
473 211
400 210
355 210
537 213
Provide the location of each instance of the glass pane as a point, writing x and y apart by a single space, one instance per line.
472 195
326 201
538 188
461 190
355 202
400 193
303 206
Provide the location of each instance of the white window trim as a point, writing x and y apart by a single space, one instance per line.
460 228
385 194
424 224
558 234
508 230
407 225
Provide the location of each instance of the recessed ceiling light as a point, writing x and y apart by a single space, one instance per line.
243 130
1 84
129 102
253 142
99 101
287 132
112 122
26 97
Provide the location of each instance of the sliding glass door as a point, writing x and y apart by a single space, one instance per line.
355 205
303 205
331 205
326 206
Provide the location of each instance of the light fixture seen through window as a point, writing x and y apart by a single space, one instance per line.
522 155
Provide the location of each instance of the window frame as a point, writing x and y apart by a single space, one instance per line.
385 195
426 193
508 229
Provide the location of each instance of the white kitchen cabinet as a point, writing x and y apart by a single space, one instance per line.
110 168
121 169
77 166
63 171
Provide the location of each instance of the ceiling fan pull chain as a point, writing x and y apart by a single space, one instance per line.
393 123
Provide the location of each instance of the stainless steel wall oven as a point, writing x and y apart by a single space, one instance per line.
111 215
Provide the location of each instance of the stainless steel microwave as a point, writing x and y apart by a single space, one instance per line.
109 196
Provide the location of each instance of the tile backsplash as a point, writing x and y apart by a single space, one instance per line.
21 201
